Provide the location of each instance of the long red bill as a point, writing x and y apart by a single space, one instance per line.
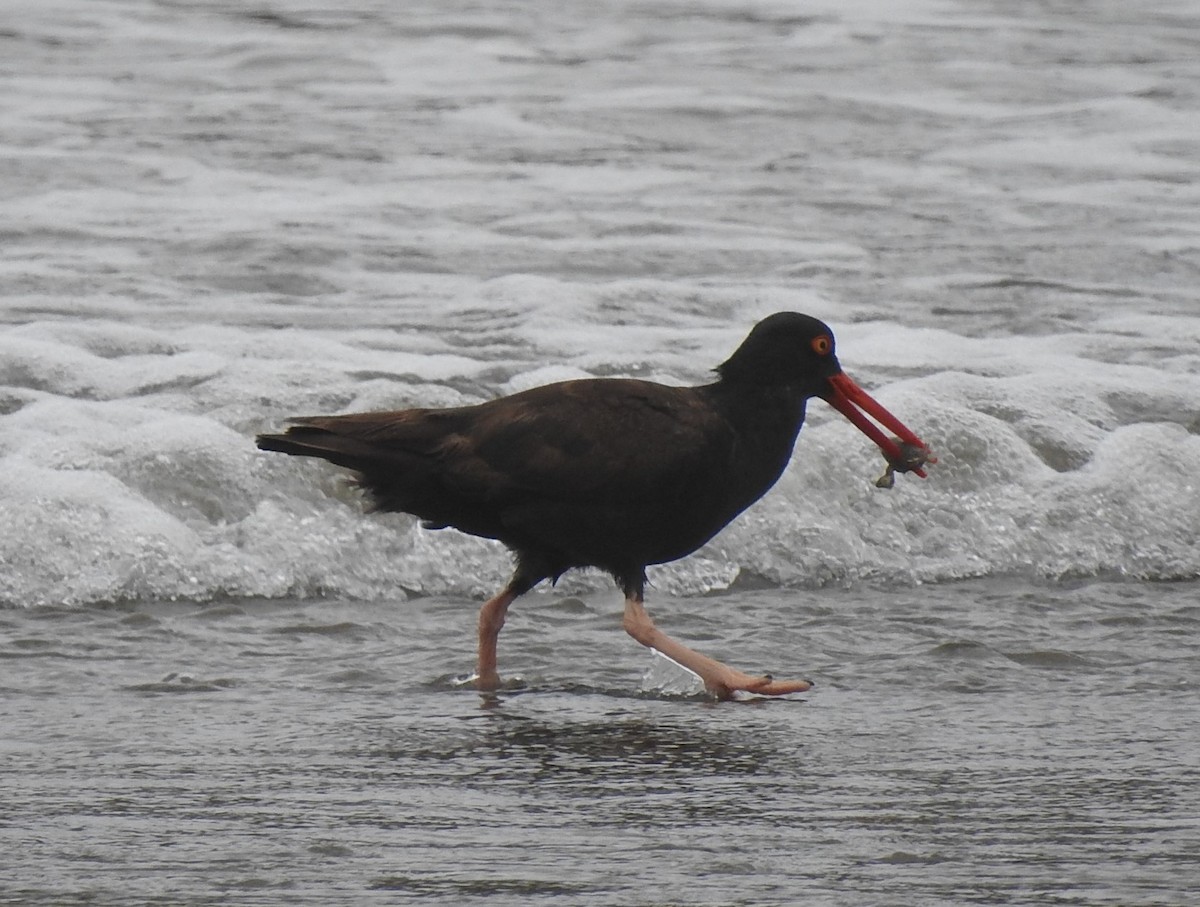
856 404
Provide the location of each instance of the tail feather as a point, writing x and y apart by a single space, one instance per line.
405 461
310 441
392 477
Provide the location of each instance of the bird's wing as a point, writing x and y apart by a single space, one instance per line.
575 441
588 440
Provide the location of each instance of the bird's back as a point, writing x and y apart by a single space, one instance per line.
600 472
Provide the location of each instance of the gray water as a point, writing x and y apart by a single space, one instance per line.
222 683
981 742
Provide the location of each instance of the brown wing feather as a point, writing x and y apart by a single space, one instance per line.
531 463
584 439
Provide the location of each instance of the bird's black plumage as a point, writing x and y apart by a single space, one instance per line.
607 472
610 473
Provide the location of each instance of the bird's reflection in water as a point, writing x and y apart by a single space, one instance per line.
616 749
506 746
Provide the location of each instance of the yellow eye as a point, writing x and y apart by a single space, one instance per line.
822 344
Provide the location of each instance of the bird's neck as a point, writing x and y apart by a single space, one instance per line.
774 409
766 420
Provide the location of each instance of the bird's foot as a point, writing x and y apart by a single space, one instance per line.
491 682
486 682
718 678
494 683
727 682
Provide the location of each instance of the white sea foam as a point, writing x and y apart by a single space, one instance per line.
243 222
133 474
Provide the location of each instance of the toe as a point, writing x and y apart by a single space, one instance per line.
768 686
726 686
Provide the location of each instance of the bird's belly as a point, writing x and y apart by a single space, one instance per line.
617 538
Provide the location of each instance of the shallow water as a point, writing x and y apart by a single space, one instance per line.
982 742
223 684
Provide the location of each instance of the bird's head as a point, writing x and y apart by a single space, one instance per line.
799 351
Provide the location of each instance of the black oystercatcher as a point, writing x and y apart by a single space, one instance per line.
607 472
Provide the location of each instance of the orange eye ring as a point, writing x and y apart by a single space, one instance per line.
822 344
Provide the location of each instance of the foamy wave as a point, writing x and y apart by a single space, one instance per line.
128 470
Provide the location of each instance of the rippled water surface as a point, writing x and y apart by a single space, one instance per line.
221 683
973 743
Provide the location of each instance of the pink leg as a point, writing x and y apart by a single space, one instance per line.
719 679
491 619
